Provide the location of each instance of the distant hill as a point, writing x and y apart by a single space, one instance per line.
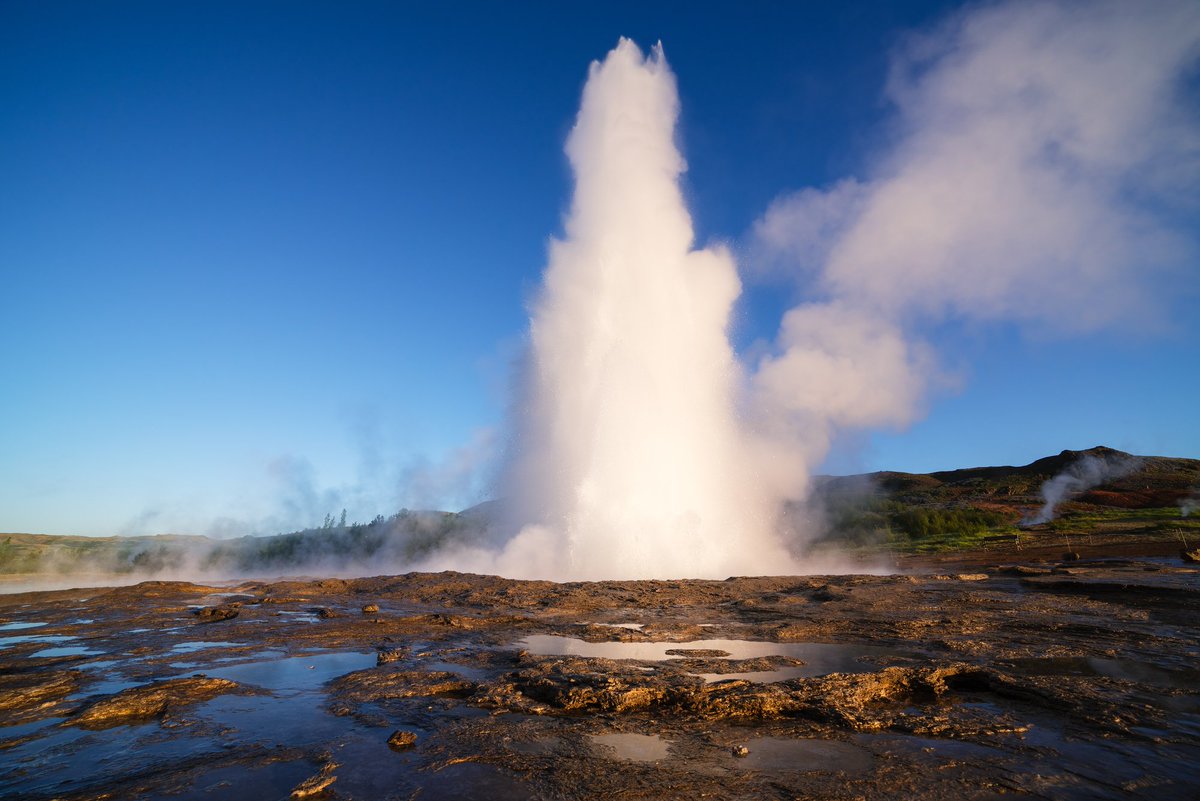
1082 490
1151 481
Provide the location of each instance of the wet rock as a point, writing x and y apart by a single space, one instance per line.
316 784
376 684
972 576
323 612
36 692
1071 556
151 701
386 654
215 614
697 653
370 609
1190 556
402 739
740 751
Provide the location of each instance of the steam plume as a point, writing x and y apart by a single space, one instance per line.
1043 170
1079 476
632 461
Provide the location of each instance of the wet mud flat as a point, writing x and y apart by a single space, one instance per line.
1078 680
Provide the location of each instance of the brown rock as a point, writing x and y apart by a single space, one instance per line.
215 614
151 700
369 609
402 739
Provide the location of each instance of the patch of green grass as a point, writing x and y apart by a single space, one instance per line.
874 523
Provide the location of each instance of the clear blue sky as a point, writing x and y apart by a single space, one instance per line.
262 260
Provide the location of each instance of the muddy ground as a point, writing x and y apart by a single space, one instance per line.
1022 677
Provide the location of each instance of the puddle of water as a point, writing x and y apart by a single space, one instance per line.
81 621
11 731
101 665
69 650
819 658
634 747
269 781
18 626
108 687
1125 669
924 747
200 645
6 642
1110 763
297 672
757 676
779 754
630 626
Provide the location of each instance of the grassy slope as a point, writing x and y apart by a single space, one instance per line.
978 507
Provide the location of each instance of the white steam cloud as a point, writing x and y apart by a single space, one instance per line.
1080 476
1042 172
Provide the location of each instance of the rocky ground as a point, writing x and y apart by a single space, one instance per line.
1013 674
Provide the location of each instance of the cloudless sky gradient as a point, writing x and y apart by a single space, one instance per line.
260 261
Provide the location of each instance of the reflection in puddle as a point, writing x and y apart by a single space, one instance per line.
297 672
634 747
108 687
776 754
5 642
819 658
17 626
200 645
1125 669
69 650
246 782
756 676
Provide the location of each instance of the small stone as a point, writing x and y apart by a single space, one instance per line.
323 612
1190 556
401 739
370 609
740 751
1071 556
972 576
388 654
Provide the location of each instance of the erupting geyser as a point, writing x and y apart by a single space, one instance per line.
630 459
